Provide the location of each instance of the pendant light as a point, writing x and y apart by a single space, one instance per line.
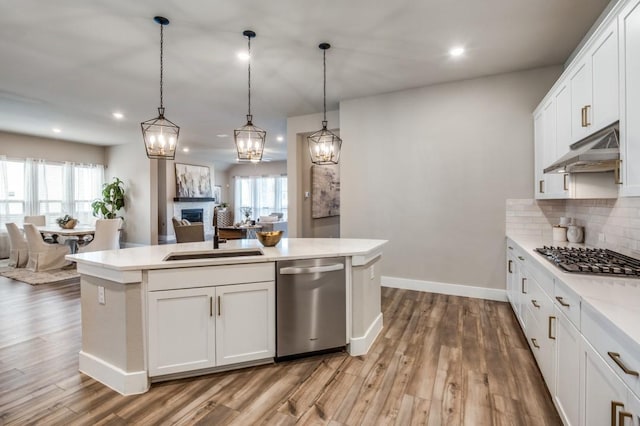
249 139
324 145
160 135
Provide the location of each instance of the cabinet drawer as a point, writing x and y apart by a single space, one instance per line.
179 278
538 302
613 346
568 302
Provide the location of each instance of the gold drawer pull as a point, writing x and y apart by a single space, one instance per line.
510 248
586 116
562 302
550 335
616 358
219 306
523 290
510 263
614 408
535 343
583 117
566 181
210 306
520 257
535 303
618 172
621 417
541 186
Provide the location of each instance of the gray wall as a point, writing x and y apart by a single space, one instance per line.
15 145
252 169
430 169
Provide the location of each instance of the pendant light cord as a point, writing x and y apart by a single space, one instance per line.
161 62
249 67
324 96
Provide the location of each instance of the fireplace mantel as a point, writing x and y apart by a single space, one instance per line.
193 200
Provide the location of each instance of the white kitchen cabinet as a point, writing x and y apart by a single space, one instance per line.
580 83
562 100
245 322
548 185
631 414
538 136
629 24
604 394
604 77
566 394
181 330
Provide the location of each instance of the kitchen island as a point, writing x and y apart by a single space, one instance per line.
147 319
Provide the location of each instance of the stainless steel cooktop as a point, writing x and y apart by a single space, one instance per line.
592 261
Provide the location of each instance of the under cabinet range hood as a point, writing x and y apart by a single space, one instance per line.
599 152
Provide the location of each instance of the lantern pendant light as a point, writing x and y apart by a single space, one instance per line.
249 139
160 135
324 145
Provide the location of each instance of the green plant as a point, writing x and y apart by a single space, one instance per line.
112 200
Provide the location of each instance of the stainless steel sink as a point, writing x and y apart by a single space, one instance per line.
212 254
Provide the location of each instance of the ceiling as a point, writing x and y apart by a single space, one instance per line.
70 64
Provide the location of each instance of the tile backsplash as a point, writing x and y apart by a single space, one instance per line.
608 223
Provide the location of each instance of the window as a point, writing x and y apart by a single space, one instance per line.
38 187
263 194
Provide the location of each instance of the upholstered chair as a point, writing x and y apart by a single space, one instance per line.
40 220
43 256
107 236
18 252
190 233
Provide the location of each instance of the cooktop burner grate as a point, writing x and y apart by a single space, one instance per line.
592 261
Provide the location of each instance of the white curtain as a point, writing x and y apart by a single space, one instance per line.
263 194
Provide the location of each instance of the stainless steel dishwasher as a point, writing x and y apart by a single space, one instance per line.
311 305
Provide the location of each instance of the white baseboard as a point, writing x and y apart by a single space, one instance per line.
361 345
444 288
113 377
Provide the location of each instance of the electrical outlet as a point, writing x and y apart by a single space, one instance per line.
101 299
372 272
307 194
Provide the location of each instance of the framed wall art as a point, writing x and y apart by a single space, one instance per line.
193 181
325 191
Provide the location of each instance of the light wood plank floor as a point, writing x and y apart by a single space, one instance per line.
440 360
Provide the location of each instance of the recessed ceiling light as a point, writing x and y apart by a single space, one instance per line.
243 56
118 115
280 138
456 51
222 135
56 130
185 149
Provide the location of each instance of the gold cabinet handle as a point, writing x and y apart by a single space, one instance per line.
586 115
541 186
219 306
622 415
562 302
509 267
520 257
552 337
582 112
523 290
510 248
210 306
614 408
618 172
535 343
616 358
566 181
535 303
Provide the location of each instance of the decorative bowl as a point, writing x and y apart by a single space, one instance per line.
69 225
269 238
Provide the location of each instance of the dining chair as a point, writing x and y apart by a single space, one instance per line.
107 236
39 220
43 256
18 252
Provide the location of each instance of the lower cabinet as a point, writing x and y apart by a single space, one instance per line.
198 328
566 394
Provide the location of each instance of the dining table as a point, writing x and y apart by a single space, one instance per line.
72 236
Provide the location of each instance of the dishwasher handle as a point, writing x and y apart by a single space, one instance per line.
293 270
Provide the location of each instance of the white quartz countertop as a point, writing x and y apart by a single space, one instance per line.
151 257
617 300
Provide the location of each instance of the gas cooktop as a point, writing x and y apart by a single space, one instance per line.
592 261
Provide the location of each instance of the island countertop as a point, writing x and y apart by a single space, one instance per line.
151 257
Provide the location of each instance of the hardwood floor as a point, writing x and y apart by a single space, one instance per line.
440 360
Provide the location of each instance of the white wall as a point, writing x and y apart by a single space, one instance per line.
430 169
297 129
129 162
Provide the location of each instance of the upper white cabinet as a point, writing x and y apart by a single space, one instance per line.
580 83
548 185
629 24
604 79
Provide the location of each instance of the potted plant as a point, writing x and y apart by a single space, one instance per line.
112 200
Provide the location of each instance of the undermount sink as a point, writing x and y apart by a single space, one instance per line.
212 254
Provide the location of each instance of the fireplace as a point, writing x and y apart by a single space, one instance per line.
192 215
